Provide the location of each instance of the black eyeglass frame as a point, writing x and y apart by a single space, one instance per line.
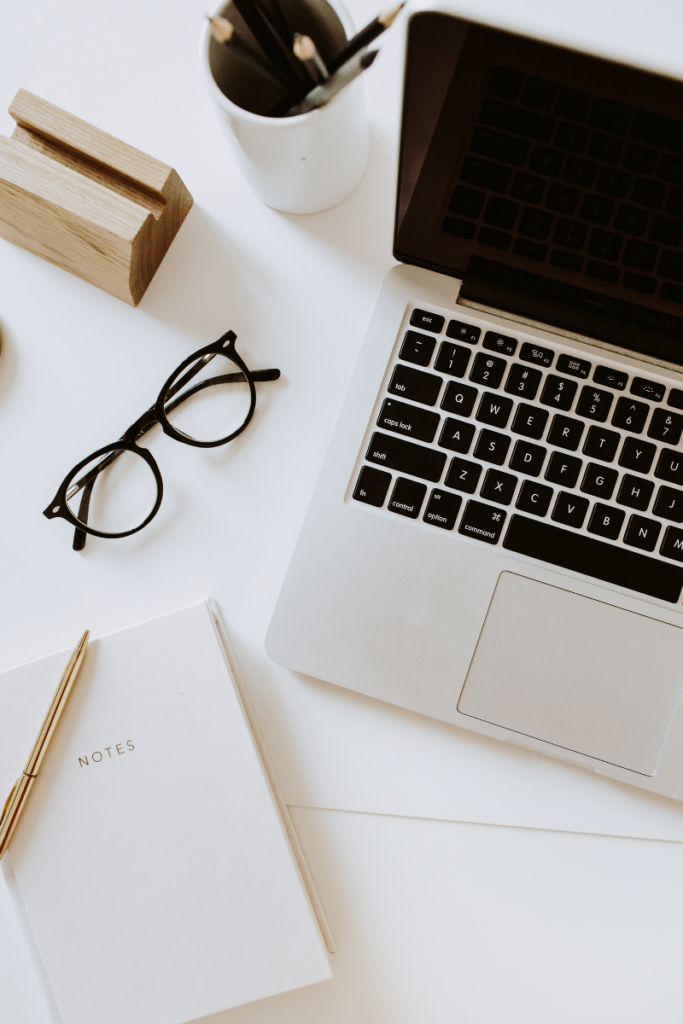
156 414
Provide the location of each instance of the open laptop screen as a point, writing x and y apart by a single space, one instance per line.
550 181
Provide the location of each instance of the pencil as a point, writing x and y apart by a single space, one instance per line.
274 48
365 36
305 50
223 31
322 94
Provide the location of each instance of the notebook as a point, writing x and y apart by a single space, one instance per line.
155 861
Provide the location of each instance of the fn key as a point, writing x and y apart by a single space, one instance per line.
372 486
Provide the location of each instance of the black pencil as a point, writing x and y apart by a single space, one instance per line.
223 31
364 37
275 49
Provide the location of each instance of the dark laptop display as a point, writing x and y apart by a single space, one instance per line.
549 180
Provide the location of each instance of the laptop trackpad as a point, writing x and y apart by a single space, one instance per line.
577 673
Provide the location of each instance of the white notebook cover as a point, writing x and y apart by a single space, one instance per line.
153 861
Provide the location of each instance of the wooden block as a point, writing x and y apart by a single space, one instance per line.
86 201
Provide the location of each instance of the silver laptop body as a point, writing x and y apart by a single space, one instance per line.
496 535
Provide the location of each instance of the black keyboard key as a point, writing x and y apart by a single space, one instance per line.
498 487
530 421
596 209
651 389
599 481
498 146
538 94
610 116
631 220
459 398
502 213
528 458
530 125
565 433
463 332
563 469
672 545
640 255
417 348
666 230
463 476
675 399
483 522
427 321
637 455
467 202
639 158
415 385
639 283
570 233
535 354
665 426
642 533
576 367
605 148
674 204
488 370
572 104
579 172
491 447
570 510
505 83
452 359
647 192
406 457
494 410
442 509
407 497
670 466
671 265
530 250
568 136
671 168
630 415
613 183
610 378
606 244
535 223
372 486
635 492
409 420
594 558
457 227
566 260
495 238
457 435
534 498
606 521
495 342
594 404
546 161
558 392
669 504
494 177
601 444
562 198
664 132
528 188
523 381
603 271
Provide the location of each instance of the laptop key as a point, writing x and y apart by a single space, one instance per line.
535 354
558 392
483 522
417 348
409 420
563 469
406 457
488 370
594 558
416 385
530 421
610 378
491 447
570 509
372 486
452 359
594 404
651 389
407 497
498 486
463 332
642 533
602 444
442 509
630 415
599 481
606 521
494 409
459 398
665 426
534 498
637 455
463 476
570 364
495 342
528 458
457 435
670 466
672 545
565 433
635 492
669 504
427 321
523 381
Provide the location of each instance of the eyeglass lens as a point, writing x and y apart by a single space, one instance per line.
213 404
117 493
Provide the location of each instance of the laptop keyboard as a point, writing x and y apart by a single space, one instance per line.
548 453
577 182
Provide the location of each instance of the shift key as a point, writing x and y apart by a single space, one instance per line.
406 457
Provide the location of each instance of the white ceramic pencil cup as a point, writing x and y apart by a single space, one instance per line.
301 164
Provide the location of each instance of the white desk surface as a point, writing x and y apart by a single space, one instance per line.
435 920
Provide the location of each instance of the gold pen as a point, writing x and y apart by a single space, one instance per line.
16 801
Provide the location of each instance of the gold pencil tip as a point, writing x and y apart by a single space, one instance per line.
222 30
304 47
387 18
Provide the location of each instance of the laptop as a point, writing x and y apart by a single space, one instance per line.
495 539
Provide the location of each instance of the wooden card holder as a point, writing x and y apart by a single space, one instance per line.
86 201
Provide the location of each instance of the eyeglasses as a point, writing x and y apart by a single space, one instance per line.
117 490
